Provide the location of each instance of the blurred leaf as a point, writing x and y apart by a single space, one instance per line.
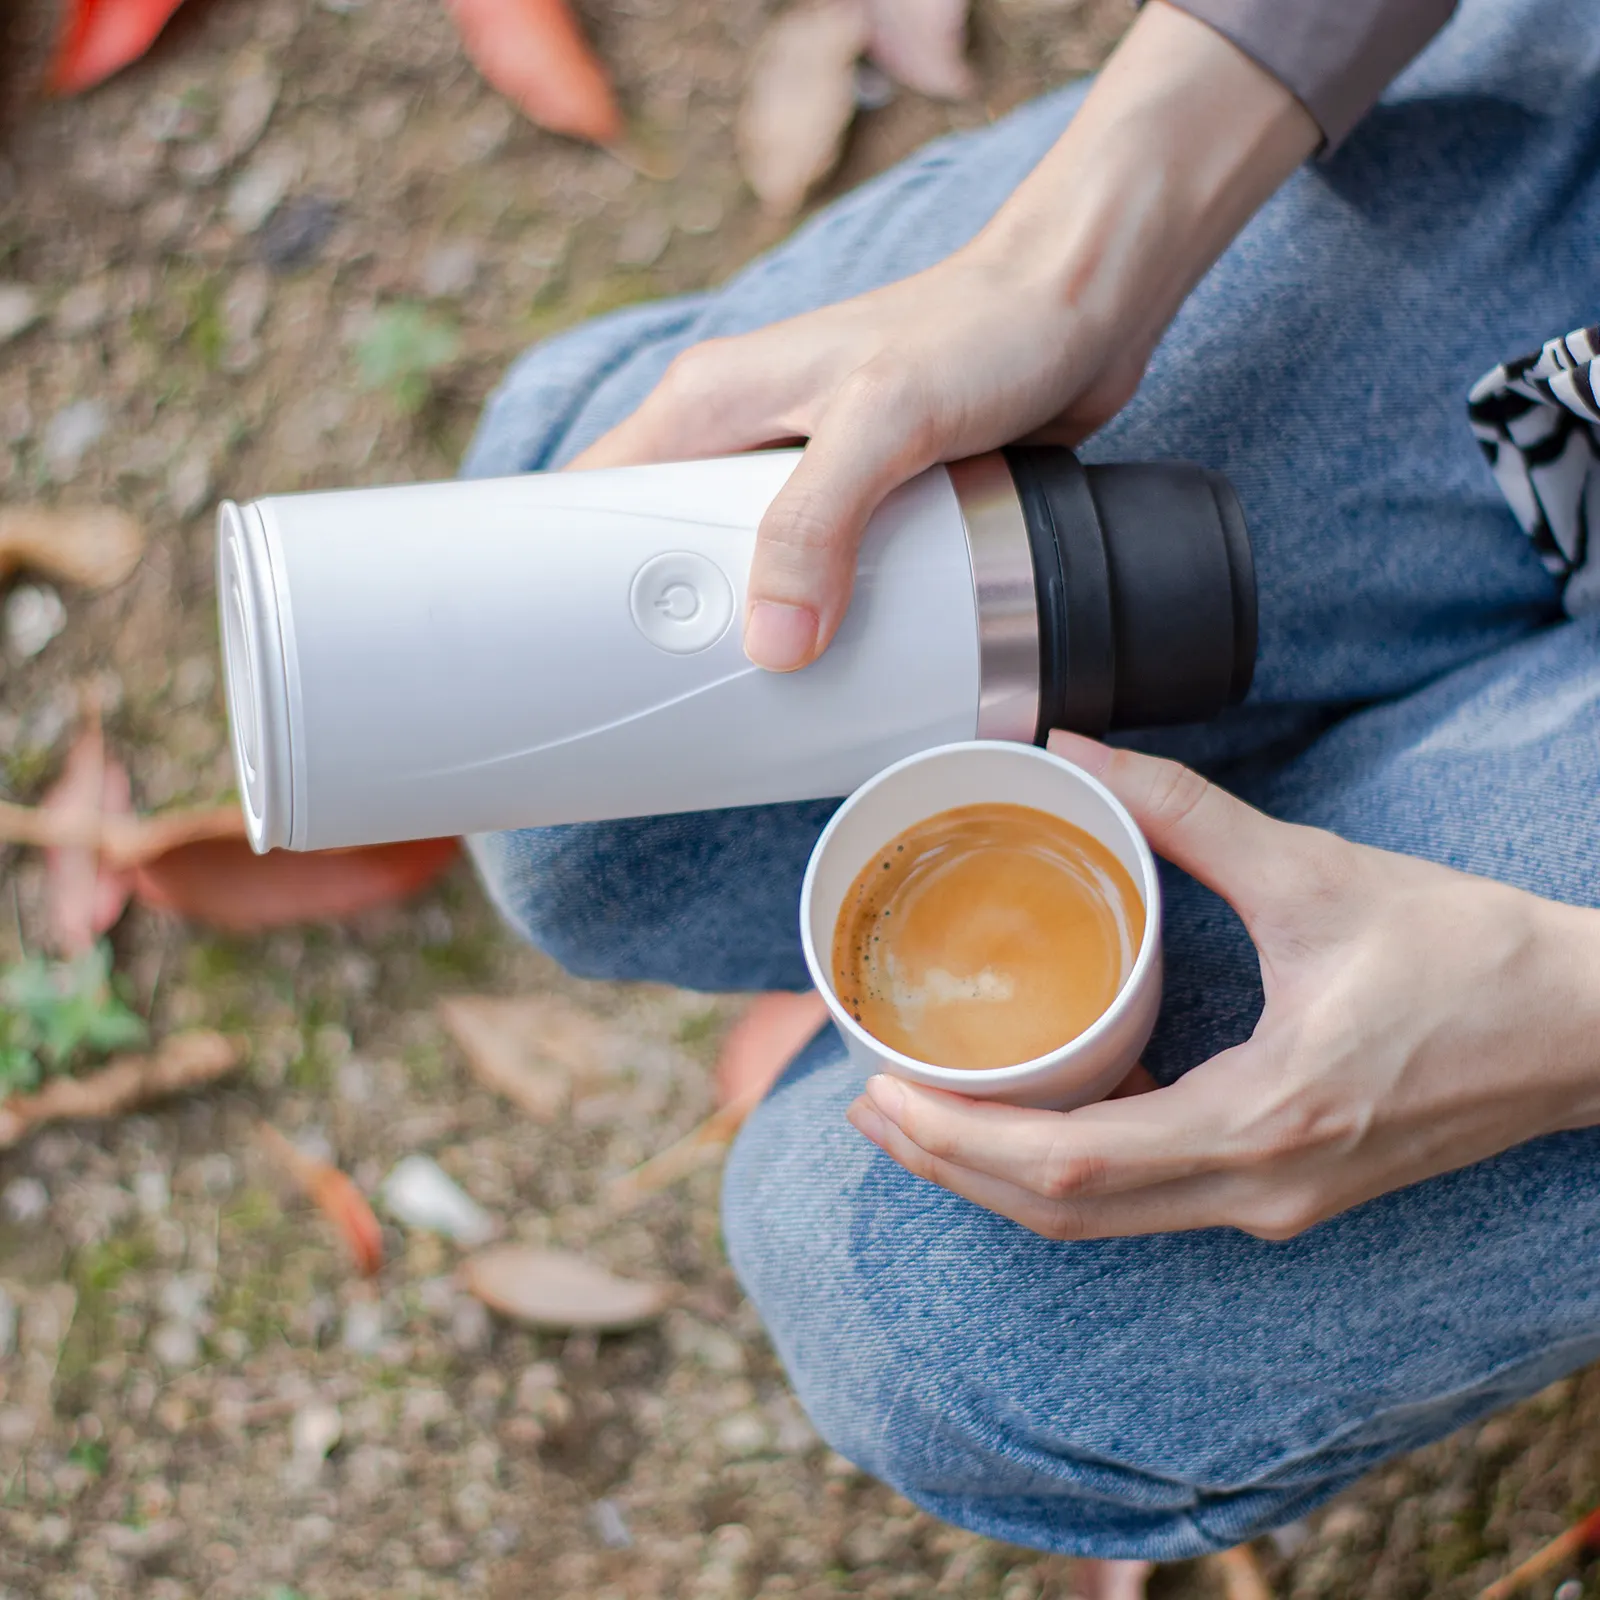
923 44
334 1194
531 1049
800 100
100 37
551 1289
92 1455
55 1013
84 892
401 350
535 54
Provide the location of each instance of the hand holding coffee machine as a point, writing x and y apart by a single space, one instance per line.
460 657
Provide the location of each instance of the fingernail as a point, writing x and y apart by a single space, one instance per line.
887 1096
779 637
867 1122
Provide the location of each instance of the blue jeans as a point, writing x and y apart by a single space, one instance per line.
1419 688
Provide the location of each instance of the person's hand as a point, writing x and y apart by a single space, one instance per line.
1417 1020
1044 322
962 358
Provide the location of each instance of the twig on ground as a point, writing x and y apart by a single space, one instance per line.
183 1061
1242 1577
1582 1539
689 1153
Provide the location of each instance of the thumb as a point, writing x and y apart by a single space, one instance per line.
805 557
1247 857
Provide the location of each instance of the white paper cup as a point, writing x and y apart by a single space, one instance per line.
1084 1069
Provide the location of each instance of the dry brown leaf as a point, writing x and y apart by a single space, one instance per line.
85 894
335 1196
181 1062
697 1147
96 546
799 101
1242 1577
552 1289
922 44
530 1049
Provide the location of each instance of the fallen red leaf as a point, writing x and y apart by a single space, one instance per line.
334 1195
769 1035
223 883
84 895
535 54
100 37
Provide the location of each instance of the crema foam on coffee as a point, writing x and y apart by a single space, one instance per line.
986 936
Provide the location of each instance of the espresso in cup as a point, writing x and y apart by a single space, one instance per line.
985 936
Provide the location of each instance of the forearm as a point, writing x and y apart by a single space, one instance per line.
1181 139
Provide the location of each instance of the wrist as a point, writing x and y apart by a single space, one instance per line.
1570 954
1180 140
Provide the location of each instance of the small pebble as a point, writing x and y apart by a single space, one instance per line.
247 109
471 1330
26 1200
19 310
643 241
151 1192
419 1193
611 1525
34 615
256 192
316 1429
363 1327
82 308
176 1345
449 269
185 1295
70 434
1570 1590
874 88
296 232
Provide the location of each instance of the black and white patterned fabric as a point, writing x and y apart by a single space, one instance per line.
1538 423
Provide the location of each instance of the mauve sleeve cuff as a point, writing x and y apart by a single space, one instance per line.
1335 56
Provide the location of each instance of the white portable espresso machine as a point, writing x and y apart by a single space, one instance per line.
454 658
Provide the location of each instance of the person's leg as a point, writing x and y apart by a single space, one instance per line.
1322 364
1162 1396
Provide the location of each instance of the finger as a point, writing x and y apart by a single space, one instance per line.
717 398
1108 1148
804 565
1252 860
1162 1208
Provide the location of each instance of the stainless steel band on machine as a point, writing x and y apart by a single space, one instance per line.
1108 596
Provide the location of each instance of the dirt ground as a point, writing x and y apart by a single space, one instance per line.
196 1398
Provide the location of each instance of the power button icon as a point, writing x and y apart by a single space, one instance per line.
681 602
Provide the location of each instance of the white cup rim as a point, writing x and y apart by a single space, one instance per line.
994 1079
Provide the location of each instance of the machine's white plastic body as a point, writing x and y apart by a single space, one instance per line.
460 657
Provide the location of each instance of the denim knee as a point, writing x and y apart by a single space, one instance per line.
705 900
1156 1397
